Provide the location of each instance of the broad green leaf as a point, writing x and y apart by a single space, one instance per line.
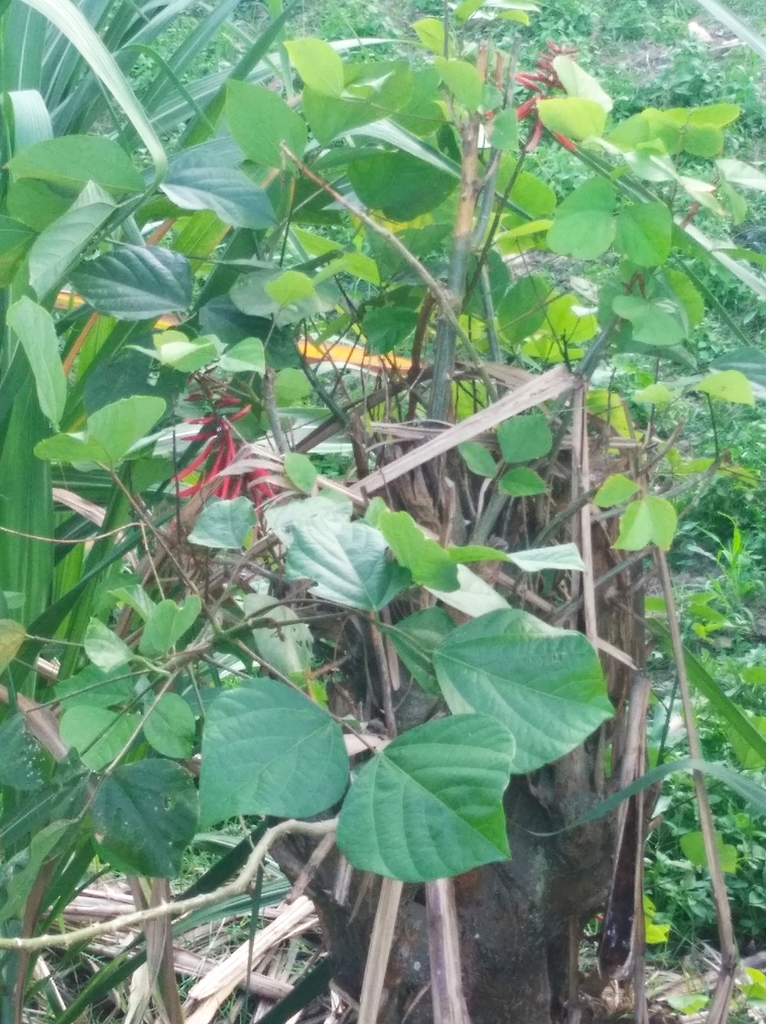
644 233
567 318
36 331
615 490
287 645
92 687
655 323
167 624
584 225
748 756
522 310
247 356
400 185
136 282
326 509
286 753
385 327
476 553
578 82
261 121
573 117
505 131
687 294
521 482
415 639
300 471
60 244
170 727
427 561
144 816
12 636
729 386
693 847
15 241
174 348
249 295
24 765
558 556
318 64
430 31
36 204
355 263
544 685
649 520
655 394
524 438
71 161
104 648
72 448
98 735
329 117
21 883
477 459
740 173
473 597
291 387
716 114
119 426
224 523
348 564
289 288
463 81
654 933
430 804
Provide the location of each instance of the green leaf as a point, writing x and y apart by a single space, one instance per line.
415 639
15 241
476 553
104 648
329 117
463 81
649 520
287 645
615 490
224 523
261 121
558 556
430 804
348 564
291 387
400 185
522 482
300 471
477 459
655 323
644 233
544 685
524 438
98 735
522 311
70 448
427 561
12 636
170 727
318 64
584 226
24 765
655 394
286 753
136 282
167 624
119 426
573 117
290 287
737 172
174 348
21 883
93 687
71 161
144 816
729 386
386 327
693 847
36 331
247 356
578 82
430 32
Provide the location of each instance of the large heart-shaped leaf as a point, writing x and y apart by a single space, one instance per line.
584 226
348 564
261 121
285 753
544 684
144 816
430 804
71 161
136 282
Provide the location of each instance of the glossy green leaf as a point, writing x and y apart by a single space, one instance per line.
247 356
477 459
524 438
522 482
615 490
584 225
97 734
348 564
727 385
463 81
261 121
36 331
104 648
544 684
649 520
170 727
655 323
578 82
144 816
400 185
136 282
15 241
286 753
574 117
415 639
167 624
224 523
93 687
505 131
427 561
430 804
430 32
693 847
329 117
71 161
117 427
644 233
318 64
300 471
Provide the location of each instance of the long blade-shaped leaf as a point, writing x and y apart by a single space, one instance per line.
70 21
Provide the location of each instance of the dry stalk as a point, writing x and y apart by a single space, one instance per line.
380 949
444 954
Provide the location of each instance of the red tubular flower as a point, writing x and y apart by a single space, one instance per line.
542 83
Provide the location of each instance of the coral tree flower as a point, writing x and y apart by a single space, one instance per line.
542 82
